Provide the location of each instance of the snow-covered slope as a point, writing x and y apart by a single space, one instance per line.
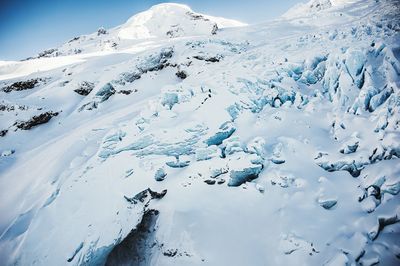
314 6
270 144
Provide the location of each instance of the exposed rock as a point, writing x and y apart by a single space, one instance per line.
48 53
101 31
221 181
143 195
214 29
21 85
3 132
136 248
210 181
12 107
126 92
212 59
170 252
181 74
84 88
74 39
35 120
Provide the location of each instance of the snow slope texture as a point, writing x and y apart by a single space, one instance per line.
270 144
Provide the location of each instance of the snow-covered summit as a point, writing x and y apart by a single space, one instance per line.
162 21
172 20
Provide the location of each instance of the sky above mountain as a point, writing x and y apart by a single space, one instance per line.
28 27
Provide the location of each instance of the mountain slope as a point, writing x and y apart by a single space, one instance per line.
275 143
162 21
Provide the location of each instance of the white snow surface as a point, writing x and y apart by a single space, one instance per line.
278 143
175 18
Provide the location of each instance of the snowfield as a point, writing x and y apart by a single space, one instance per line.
179 138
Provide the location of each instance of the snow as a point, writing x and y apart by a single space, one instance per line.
163 18
280 146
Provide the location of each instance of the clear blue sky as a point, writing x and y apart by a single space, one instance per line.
30 26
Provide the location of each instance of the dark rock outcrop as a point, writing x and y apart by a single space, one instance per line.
35 120
181 74
143 195
136 248
21 85
84 88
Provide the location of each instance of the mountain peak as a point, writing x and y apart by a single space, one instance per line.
172 20
164 6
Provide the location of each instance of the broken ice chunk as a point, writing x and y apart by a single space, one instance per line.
241 176
232 145
178 164
215 172
327 204
225 131
349 147
115 137
277 161
160 174
105 92
169 99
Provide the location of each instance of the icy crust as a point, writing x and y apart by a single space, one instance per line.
289 143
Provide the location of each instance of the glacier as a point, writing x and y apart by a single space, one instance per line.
279 145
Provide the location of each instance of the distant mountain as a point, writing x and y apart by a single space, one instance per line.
159 22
